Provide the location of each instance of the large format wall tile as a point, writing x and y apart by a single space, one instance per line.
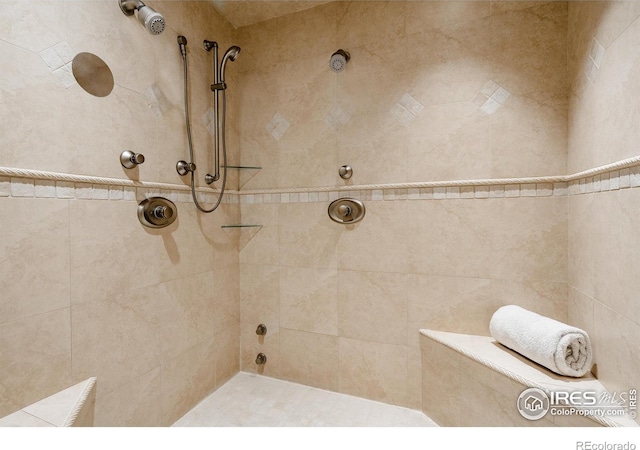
102 236
378 243
35 28
115 340
187 379
372 370
35 257
309 299
308 238
373 306
135 405
310 358
184 313
519 239
35 361
260 294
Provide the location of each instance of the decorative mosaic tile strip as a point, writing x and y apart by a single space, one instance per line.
622 174
45 185
428 193
619 175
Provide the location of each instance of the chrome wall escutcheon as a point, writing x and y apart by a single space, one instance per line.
345 172
157 212
129 159
346 211
183 168
261 359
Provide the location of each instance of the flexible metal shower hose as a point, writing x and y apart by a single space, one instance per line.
219 134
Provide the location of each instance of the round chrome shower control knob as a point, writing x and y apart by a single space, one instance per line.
157 212
344 210
162 212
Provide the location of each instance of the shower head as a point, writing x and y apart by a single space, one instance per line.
230 54
339 60
148 17
152 20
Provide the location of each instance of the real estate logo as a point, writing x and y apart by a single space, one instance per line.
533 404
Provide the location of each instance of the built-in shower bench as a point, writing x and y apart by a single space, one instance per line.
72 407
470 380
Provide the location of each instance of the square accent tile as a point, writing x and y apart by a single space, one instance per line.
278 126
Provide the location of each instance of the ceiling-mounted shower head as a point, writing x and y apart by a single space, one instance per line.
148 17
339 60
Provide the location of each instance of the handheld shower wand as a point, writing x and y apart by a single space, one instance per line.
218 86
183 167
230 54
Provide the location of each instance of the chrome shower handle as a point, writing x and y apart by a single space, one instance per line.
344 210
157 212
162 212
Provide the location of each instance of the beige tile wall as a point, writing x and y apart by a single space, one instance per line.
343 304
86 289
603 267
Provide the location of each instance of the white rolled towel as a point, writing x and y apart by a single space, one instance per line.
559 347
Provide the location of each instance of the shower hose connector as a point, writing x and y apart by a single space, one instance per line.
208 178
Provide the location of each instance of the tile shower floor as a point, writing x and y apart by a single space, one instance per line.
249 400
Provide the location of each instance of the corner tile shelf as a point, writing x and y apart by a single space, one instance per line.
244 167
250 172
240 234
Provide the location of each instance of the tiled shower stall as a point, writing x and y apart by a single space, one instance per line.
463 121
